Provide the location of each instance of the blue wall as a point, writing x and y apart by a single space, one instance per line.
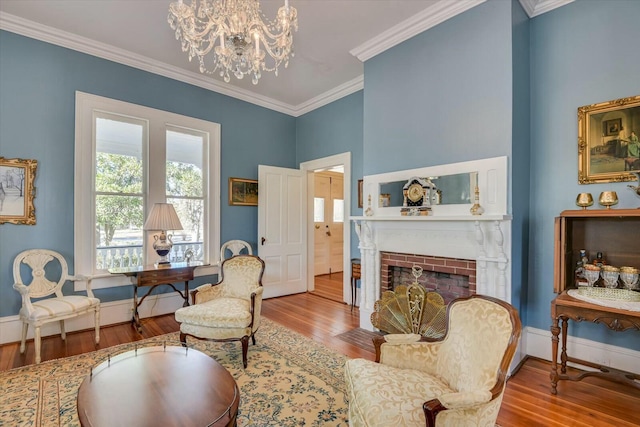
334 129
582 53
489 82
443 96
38 83
520 156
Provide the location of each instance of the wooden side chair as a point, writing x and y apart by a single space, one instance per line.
235 247
228 310
39 273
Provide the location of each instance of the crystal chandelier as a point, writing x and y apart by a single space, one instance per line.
235 34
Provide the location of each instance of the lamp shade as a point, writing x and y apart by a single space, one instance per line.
163 217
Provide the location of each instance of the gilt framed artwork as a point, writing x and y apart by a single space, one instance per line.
243 192
608 146
17 191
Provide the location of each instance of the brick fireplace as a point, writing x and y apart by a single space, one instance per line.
450 277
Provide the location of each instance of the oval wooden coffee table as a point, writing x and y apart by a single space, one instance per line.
151 386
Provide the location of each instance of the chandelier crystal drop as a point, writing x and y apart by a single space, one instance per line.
240 39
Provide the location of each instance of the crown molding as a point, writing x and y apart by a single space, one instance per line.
332 95
51 35
538 7
428 18
422 21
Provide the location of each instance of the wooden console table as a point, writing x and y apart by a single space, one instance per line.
565 307
151 275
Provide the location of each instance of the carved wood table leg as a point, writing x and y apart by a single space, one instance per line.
555 331
563 354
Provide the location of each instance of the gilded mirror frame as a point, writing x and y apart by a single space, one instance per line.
17 191
604 136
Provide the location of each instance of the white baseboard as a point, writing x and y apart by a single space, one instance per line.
537 342
110 313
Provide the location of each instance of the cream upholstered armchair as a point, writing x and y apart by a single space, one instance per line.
228 310
39 273
457 380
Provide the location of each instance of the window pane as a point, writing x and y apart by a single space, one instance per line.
119 156
318 209
338 210
184 164
118 227
191 214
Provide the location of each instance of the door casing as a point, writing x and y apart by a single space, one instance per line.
343 159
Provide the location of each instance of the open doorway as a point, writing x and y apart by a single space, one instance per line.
329 223
337 166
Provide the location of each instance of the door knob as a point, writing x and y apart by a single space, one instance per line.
262 240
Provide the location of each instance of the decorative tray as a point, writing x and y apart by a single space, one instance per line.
610 294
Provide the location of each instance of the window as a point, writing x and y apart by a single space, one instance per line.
129 157
318 209
338 210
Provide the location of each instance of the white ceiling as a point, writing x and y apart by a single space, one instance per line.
325 67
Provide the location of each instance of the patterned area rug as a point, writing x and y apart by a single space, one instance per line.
290 381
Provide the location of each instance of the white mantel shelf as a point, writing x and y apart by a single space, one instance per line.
434 218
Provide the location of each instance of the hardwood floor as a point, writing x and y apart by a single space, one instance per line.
329 286
527 401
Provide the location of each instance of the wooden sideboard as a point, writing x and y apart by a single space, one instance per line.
615 233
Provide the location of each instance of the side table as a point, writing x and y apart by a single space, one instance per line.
565 307
355 276
152 276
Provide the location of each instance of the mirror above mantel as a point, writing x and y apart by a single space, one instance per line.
453 189
448 190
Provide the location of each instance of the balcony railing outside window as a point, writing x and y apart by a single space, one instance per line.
131 256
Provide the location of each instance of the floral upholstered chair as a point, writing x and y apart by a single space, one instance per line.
457 380
40 273
228 310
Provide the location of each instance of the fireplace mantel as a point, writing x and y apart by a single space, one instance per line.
448 233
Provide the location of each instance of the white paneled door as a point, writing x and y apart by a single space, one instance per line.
282 229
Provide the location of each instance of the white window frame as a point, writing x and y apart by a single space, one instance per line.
84 182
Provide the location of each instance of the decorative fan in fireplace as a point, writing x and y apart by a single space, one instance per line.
410 309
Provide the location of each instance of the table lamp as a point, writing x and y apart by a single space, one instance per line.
163 217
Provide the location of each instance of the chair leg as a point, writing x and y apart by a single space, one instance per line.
245 348
23 341
36 341
253 338
63 333
183 339
97 321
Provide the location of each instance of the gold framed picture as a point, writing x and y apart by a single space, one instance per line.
17 191
608 146
243 192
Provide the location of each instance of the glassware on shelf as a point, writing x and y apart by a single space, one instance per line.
629 276
584 200
610 276
591 273
608 199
